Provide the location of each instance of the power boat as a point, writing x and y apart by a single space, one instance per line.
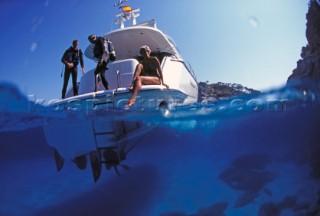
105 138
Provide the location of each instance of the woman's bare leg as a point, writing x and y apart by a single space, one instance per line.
136 88
137 72
137 84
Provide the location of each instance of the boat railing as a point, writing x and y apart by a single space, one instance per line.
120 73
191 70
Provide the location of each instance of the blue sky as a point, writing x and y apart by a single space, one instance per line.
255 43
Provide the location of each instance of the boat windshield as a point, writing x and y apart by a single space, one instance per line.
173 43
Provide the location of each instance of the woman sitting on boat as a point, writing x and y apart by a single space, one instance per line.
148 72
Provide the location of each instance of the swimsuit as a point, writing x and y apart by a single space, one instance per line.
150 71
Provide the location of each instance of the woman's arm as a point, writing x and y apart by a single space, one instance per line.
157 63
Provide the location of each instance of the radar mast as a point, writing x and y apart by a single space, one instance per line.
126 13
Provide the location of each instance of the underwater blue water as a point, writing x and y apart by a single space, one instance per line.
250 155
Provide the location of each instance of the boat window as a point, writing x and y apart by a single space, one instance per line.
159 55
173 43
188 65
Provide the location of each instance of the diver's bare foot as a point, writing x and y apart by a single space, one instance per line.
130 103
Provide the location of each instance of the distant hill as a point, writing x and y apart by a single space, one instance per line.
222 91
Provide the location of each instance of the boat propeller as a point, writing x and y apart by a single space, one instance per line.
113 158
80 161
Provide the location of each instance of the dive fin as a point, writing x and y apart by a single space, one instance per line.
95 165
58 159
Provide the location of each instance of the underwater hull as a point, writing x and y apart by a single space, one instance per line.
96 112
102 140
94 126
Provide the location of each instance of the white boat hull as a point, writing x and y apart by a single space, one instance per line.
92 128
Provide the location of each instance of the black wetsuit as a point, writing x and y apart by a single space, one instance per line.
98 52
71 56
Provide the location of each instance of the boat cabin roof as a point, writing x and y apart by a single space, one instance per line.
127 42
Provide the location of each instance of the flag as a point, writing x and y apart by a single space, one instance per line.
126 8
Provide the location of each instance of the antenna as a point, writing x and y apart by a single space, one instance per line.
120 3
126 13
